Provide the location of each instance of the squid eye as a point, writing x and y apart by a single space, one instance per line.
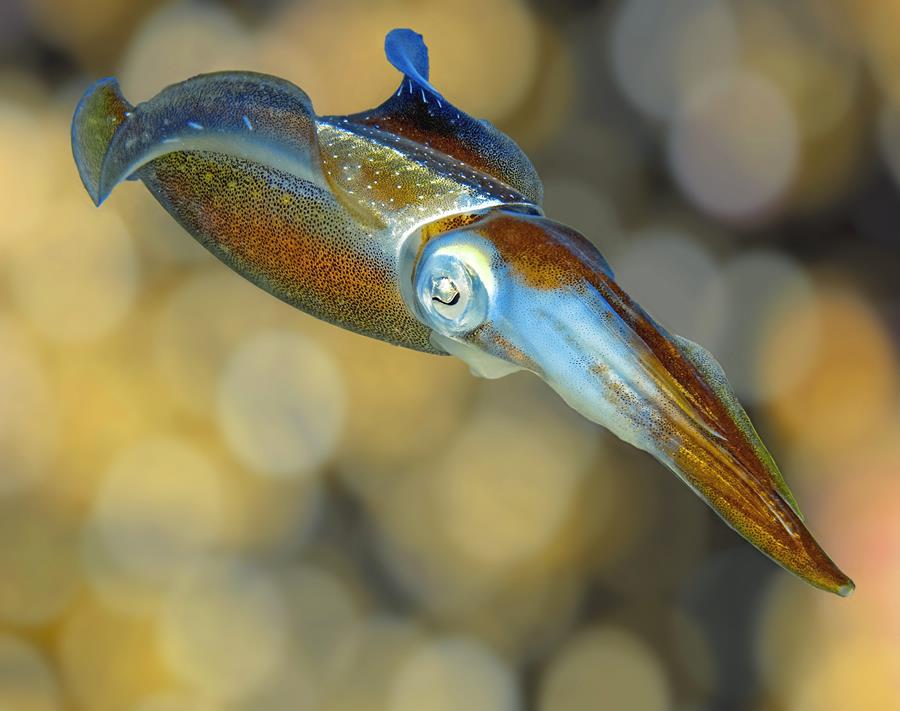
445 291
448 298
451 297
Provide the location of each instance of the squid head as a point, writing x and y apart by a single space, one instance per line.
419 225
513 292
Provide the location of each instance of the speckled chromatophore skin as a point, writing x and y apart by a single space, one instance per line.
419 225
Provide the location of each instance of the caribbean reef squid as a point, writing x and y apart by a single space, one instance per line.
419 225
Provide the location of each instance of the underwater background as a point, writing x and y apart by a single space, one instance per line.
209 500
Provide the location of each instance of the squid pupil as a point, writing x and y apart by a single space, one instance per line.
452 301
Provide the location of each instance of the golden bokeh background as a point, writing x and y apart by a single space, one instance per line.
210 501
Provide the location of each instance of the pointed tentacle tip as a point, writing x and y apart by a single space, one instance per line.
846 590
829 578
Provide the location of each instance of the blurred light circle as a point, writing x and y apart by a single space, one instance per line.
28 413
327 49
281 404
498 499
504 489
803 635
605 668
650 508
77 278
673 278
27 682
817 71
275 516
527 616
178 41
662 48
584 207
247 514
849 386
734 145
381 648
859 674
789 636
202 321
549 102
224 628
423 562
324 627
160 508
470 65
124 405
26 173
392 390
760 288
452 674
40 564
114 585
343 67
860 515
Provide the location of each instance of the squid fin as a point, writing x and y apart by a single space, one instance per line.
714 375
243 114
418 112
100 113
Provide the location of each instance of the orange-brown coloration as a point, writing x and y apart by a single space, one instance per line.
546 255
719 458
447 143
453 222
395 186
435 229
535 254
288 237
749 506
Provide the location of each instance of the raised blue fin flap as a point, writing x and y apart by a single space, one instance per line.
406 50
242 114
419 113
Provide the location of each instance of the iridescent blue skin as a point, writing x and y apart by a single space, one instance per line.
419 225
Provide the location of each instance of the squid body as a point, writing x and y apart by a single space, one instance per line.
419 225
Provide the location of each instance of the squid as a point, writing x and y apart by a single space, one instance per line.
419 225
